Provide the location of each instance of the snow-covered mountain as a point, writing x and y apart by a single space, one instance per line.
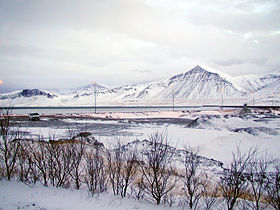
273 89
88 90
27 93
198 84
194 84
253 82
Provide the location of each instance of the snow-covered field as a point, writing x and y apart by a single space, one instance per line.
17 195
217 133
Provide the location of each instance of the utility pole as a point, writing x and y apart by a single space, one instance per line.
94 83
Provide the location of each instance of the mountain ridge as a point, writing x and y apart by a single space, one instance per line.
195 84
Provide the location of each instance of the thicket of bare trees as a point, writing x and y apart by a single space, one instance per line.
8 147
77 156
258 176
194 179
122 166
95 175
148 172
27 170
273 187
234 184
156 169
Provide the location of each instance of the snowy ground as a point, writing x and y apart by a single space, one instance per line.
17 195
217 133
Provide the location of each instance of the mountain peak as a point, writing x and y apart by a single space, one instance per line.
200 83
194 71
90 88
199 69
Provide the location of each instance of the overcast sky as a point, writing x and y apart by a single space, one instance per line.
67 43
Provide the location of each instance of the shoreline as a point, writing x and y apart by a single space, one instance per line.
140 114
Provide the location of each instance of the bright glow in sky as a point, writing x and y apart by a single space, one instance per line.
70 43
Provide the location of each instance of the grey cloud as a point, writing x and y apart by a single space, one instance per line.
86 14
67 42
232 62
236 21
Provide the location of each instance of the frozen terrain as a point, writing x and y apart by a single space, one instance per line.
16 195
216 132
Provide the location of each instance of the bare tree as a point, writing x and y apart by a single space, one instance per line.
60 162
51 152
273 187
211 196
95 174
157 170
40 159
54 161
129 170
77 147
24 164
121 164
194 180
28 172
234 183
257 177
77 156
8 147
115 163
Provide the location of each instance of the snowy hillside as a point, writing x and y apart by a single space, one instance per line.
254 83
199 85
27 93
194 84
88 90
272 89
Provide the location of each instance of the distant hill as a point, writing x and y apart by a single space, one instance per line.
194 85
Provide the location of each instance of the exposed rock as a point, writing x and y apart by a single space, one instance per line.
193 123
35 92
83 134
256 130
